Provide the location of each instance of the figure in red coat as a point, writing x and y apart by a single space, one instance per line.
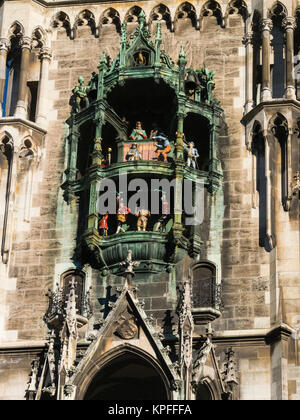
103 225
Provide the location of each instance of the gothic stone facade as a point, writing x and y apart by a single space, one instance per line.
250 234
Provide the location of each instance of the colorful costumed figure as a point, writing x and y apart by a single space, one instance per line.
193 155
122 215
133 153
143 216
138 133
103 225
163 147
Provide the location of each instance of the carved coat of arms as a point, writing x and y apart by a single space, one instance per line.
127 328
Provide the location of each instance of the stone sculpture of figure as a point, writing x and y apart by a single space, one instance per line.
122 215
206 79
133 153
103 225
143 216
138 133
163 147
80 92
193 155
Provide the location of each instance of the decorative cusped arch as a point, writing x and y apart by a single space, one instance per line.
94 366
236 7
110 16
39 37
61 20
16 29
161 13
85 18
211 9
186 10
133 14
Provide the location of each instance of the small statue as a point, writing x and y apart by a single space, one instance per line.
206 79
163 147
134 154
154 133
138 133
122 215
193 155
93 82
143 216
140 59
161 226
103 225
80 92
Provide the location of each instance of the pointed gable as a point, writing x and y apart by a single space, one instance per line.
127 328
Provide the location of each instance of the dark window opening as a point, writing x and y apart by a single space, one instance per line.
85 148
258 149
278 68
196 130
32 99
154 104
12 82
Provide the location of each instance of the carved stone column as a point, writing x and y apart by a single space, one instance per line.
266 27
21 108
289 24
41 112
4 45
248 41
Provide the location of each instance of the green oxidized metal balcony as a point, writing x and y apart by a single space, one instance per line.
142 84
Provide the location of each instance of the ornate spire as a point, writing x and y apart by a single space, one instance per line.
129 265
185 329
142 20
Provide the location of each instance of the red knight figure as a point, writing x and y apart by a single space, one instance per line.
103 225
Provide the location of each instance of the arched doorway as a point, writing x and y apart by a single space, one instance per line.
203 393
127 377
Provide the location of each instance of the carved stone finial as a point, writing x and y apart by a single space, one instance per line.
129 265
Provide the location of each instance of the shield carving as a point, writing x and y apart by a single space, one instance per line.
127 328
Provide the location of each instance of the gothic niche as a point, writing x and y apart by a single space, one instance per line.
211 15
161 13
236 14
279 127
277 14
110 18
6 165
61 22
85 24
185 16
13 70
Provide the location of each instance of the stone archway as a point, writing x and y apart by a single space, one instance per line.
127 377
